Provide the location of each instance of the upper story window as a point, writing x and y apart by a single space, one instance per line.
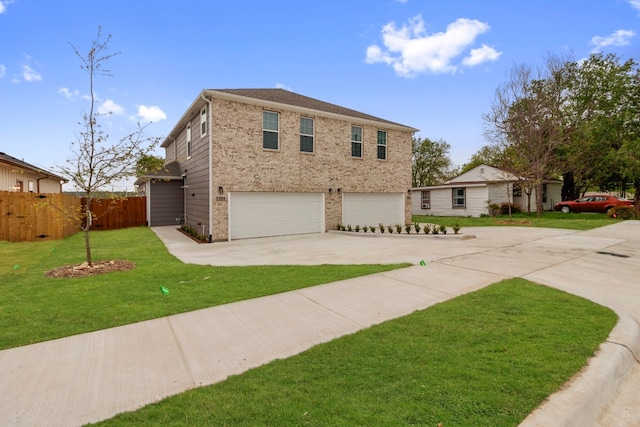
189 141
356 141
459 198
382 145
426 199
203 122
270 130
306 135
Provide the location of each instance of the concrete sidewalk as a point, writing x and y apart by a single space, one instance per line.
90 377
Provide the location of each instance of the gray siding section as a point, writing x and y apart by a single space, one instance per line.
165 202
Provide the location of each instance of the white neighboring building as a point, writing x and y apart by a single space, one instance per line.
471 193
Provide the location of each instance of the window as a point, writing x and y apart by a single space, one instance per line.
356 141
544 193
426 200
18 187
459 198
32 186
382 145
189 141
517 190
306 135
269 130
203 122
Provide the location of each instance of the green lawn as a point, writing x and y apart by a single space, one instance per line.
571 221
35 308
487 358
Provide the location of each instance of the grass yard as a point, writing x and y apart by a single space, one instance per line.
571 221
487 358
35 308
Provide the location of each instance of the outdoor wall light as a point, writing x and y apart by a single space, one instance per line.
220 190
330 190
193 194
339 190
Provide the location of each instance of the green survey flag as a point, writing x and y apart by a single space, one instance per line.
164 290
422 263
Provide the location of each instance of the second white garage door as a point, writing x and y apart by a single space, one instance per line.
261 214
372 209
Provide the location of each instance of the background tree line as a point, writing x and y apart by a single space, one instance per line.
579 120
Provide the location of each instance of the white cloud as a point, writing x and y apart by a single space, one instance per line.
3 71
30 75
110 107
67 93
411 50
4 4
402 1
283 86
635 4
481 55
619 38
151 114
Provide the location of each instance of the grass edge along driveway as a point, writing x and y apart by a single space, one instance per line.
35 308
485 358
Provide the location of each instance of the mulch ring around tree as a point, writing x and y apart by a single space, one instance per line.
85 270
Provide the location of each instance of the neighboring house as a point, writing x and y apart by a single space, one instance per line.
20 176
245 163
471 193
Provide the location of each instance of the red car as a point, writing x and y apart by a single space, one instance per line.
592 204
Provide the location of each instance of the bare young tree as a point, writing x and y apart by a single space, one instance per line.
97 161
527 117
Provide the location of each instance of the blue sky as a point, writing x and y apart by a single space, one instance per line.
432 65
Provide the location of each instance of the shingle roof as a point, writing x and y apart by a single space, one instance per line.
286 97
5 158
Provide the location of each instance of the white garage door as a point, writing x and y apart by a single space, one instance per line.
259 214
372 208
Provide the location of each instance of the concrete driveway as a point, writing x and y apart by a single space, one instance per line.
94 376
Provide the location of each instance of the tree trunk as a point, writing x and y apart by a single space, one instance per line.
539 198
569 190
86 228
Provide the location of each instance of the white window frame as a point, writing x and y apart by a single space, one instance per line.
457 194
381 144
425 198
355 141
189 140
276 131
203 122
304 135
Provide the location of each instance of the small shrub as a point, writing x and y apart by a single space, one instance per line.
339 227
504 208
390 229
398 228
349 227
443 229
622 212
417 227
357 228
408 228
427 229
381 228
494 209
373 229
456 228
365 228
435 229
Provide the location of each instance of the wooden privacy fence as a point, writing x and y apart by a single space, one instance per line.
111 214
28 217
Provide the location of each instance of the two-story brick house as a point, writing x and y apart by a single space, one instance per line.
244 163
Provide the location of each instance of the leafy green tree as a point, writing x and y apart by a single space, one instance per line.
97 160
431 162
491 154
148 164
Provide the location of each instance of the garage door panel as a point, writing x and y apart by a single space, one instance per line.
373 208
255 214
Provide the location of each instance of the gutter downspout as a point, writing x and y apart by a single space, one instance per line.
210 146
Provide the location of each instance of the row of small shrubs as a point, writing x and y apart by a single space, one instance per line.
193 233
409 228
